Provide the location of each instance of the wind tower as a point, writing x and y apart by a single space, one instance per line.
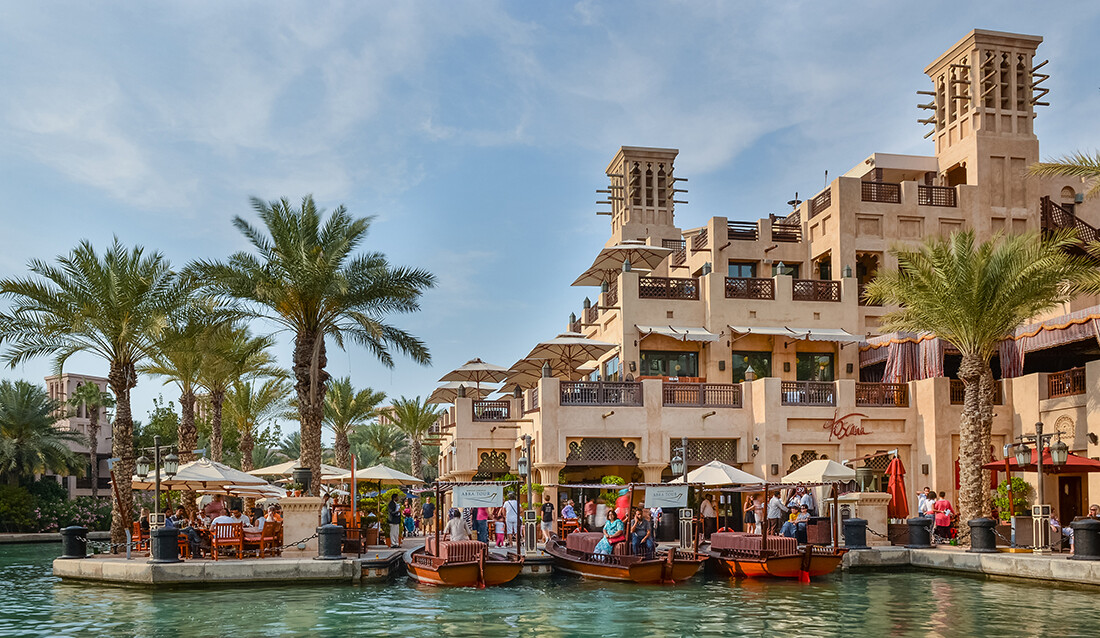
642 194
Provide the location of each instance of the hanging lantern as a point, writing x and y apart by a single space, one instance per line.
1059 453
677 464
171 465
142 465
1023 454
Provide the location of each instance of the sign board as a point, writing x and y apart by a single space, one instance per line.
478 495
666 496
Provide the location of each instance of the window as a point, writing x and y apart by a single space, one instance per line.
657 363
760 362
814 366
611 369
742 269
788 269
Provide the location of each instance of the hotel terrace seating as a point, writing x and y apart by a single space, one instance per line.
227 535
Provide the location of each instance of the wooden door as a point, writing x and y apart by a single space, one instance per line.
1069 499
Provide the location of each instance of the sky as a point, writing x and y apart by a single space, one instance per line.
474 133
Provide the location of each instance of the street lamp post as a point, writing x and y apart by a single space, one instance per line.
170 464
1059 454
523 466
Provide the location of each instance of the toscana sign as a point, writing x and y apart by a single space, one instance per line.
845 426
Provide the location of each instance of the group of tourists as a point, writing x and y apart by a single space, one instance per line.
785 517
940 510
639 528
199 524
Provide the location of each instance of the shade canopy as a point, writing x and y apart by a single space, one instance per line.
610 261
718 474
477 372
821 471
569 350
247 491
448 392
898 507
1074 464
808 334
681 333
197 475
377 474
287 469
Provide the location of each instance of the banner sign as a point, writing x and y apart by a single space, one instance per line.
666 496
478 495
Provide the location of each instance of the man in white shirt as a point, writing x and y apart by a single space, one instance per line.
807 501
709 516
511 516
776 509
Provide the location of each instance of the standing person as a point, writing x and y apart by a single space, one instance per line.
807 501
750 515
393 517
326 510
215 508
511 516
776 509
943 510
709 516
547 524
498 525
922 497
482 520
929 508
427 516
590 515
410 523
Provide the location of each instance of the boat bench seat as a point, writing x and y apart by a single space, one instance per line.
740 541
585 542
455 551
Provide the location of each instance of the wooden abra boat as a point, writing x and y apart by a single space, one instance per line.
576 556
740 555
461 564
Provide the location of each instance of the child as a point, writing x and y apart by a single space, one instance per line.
499 528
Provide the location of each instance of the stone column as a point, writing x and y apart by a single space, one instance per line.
652 471
548 475
301 516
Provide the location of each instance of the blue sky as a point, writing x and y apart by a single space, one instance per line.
475 132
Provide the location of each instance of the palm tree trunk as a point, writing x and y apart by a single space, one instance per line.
247 443
310 375
188 436
121 379
970 443
217 397
342 449
93 449
986 392
416 457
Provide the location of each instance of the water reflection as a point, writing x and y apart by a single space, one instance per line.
876 604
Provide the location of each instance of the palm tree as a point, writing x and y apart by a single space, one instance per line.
248 406
414 417
263 456
232 355
115 306
93 399
291 446
1078 164
344 410
306 279
973 297
180 359
379 443
29 442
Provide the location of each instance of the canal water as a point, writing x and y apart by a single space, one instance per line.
878 604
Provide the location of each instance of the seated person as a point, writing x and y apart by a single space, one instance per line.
613 532
1094 511
1057 532
233 517
183 524
792 527
143 520
641 534
567 512
456 529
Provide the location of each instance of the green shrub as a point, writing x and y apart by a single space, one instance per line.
86 511
16 509
610 496
47 490
1021 496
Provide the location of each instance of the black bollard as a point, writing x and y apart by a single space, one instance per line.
74 542
920 532
855 533
164 545
304 477
982 538
1086 539
330 542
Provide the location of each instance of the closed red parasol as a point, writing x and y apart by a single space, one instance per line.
899 502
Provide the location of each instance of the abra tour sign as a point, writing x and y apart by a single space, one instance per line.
844 426
478 495
666 496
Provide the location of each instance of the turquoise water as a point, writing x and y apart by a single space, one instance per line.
878 604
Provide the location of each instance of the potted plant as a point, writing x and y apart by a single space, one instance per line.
1021 497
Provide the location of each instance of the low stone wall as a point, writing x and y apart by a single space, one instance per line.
1046 567
48 537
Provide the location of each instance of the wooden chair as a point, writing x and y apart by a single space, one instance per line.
269 538
140 537
184 546
227 535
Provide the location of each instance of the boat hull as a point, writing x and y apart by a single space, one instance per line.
496 571
643 571
790 566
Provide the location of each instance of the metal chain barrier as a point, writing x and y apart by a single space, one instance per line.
109 548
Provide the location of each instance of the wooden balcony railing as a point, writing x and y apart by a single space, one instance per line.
1066 384
863 300
1053 217
575 326
958 392
786 232
707 395
936 196
742 231
808 392
591 314
600 393
668 288
823 200
533 399
491 410
674 244
815 290
882 394
699 242
749 288
612 292
883 192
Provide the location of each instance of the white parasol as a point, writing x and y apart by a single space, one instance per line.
610 261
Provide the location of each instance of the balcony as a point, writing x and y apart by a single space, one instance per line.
749 288
601 393
1066 384
936 196
679 248
668 288
891 395
810 393
786 232
742 231
1053 217
815 290
823 200
706 395
699 242
492 410
612 292
591 314
958 392
882 192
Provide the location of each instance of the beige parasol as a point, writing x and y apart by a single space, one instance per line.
477 372
448 392
717 473
569 351
198 475
610 261
287 469
377 474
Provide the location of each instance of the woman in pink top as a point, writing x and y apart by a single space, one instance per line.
483 524
943 510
